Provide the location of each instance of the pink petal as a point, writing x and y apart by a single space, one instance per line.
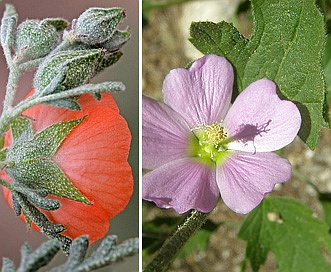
202 93
182 185
260 121
164 134
244 179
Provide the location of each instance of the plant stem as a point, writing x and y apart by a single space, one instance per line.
172 246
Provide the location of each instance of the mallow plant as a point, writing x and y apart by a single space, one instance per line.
218 133
64 148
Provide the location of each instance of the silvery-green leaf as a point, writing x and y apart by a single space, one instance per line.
80 65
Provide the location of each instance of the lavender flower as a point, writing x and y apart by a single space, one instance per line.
198 146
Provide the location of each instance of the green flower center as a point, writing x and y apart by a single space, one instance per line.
208 144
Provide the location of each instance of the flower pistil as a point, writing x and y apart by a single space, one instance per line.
209 144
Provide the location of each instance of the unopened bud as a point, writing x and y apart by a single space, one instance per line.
78 67
35 39
97 25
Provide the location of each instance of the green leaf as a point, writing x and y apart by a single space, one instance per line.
36 197
32 261
286 46
325 200
287 228
327 65
8 265
3 154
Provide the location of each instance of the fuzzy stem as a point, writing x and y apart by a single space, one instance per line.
14 74
172 246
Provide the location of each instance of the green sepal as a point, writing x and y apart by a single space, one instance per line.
96 25
108 60
117 40
16 206
3 155
30 162
80 64
42 173
8 25
21 128
97 96
37 197
42 145
2 141
59 23
67 103
52 136
35 39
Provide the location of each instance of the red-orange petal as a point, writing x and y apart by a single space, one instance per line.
94 158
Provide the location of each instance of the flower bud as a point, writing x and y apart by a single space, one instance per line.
97 25
77 68
117 40
35 39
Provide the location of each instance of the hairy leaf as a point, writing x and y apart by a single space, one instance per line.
287 228
286 46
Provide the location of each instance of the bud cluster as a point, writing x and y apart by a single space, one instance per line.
92 44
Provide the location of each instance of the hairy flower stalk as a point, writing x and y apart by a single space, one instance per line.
199 147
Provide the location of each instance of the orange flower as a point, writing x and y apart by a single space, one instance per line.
94 158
